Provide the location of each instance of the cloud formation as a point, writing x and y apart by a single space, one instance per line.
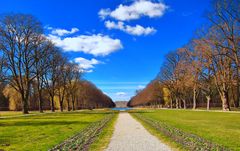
134 11
62 32
137 30
85 64
121 94
97 45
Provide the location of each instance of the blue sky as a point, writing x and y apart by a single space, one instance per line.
120 44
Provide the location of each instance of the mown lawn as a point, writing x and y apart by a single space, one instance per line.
44 131
10 113
219 127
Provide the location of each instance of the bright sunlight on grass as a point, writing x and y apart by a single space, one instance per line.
42 132
218 127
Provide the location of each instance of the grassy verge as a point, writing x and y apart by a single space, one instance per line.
44 131
104 137
194 129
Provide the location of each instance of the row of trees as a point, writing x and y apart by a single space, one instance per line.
209 64
31 64
154 95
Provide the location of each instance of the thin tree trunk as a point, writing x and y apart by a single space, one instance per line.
40 100
177 105
52 104
208 101
68 105
194 98
184 104
180 104
73 103
238 91
40 103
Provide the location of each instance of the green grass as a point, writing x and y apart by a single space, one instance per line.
103 139
10 113
222 128
44 131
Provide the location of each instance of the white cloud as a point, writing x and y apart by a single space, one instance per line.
103 13
85 64
62 32
136 10
137 30
97 45
141 86
121 94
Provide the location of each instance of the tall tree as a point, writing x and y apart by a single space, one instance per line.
225 21
73 79
51 76
61 81
18 35
41 65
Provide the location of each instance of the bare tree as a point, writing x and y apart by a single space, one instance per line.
226 22
18 35
41 65
51 76
168 76
61 81
73 79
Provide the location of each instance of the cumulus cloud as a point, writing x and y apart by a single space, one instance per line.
85 64
137 30
62 32
121 94
134 11
96 44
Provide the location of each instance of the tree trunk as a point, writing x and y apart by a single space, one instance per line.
177 105
68 105
40 101
171 103
238 93
73 103
180 104
238 87
52 104
184 104
24 104
194 98
225 101
61 106
208 101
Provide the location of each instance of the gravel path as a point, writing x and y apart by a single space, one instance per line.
130 135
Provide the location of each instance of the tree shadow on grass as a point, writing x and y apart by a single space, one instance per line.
43 123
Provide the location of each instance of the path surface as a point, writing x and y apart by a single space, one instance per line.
130 135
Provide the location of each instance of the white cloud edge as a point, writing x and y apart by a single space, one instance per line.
135 11
137 30
96 44
86 65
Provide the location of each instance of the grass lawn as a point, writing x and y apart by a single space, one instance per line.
219 127
44 131
19 113
105 136
10 113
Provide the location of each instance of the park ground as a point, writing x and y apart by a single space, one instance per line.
187 129
45 131
178 129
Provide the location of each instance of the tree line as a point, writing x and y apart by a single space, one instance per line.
34 70
208 66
